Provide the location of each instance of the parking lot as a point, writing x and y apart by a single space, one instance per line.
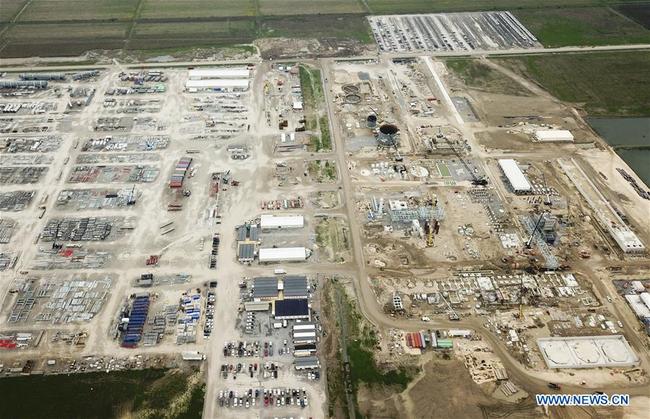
484 31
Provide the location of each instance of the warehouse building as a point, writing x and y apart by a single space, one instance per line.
306 363
283 254
626 239
304 350
217 85
553 135
219 73
291 309
300 338
637 305
516 178
246 252
277 222
257 305
295 286
265 288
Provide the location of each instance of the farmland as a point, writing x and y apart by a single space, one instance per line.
599 82
317 26
160 24
59 10
10 8
640 13
292 7
165 9
430 6
582 26
479 76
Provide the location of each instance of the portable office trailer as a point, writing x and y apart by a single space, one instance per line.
301 335
300 327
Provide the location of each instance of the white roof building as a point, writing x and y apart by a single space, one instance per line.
217 84
640 309
515 176
283 254
587 352
638 286
626 239
219 73
553 135
276 222
645 297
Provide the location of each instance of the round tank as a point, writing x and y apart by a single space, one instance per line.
387 136
372 121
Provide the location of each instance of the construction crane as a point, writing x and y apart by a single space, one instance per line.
521 298
452 313
476 180
532 234
433 223
131 200
547 195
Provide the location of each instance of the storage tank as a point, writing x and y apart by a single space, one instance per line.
371 121
388 135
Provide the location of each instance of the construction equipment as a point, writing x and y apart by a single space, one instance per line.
432 227
532 234
452 313
476 180
131 200
398 157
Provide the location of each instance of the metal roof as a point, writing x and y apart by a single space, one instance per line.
553 135
241 233
219 73
281 221
275 254
306 361
295 286
217 83
265 287
256 305
254 233
514 174
292 308
246 251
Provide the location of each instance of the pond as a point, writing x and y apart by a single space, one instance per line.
630 137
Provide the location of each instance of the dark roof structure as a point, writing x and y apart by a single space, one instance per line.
292 308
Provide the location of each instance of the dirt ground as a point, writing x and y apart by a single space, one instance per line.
443 389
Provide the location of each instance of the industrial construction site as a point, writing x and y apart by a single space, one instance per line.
332 237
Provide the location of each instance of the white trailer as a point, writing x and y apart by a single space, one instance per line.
304 327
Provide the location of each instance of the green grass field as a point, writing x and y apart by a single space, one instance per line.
306 7
179 22
145 393
433 6
65 10
607 84
582 26
166 9
71 32
479 76
317 26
